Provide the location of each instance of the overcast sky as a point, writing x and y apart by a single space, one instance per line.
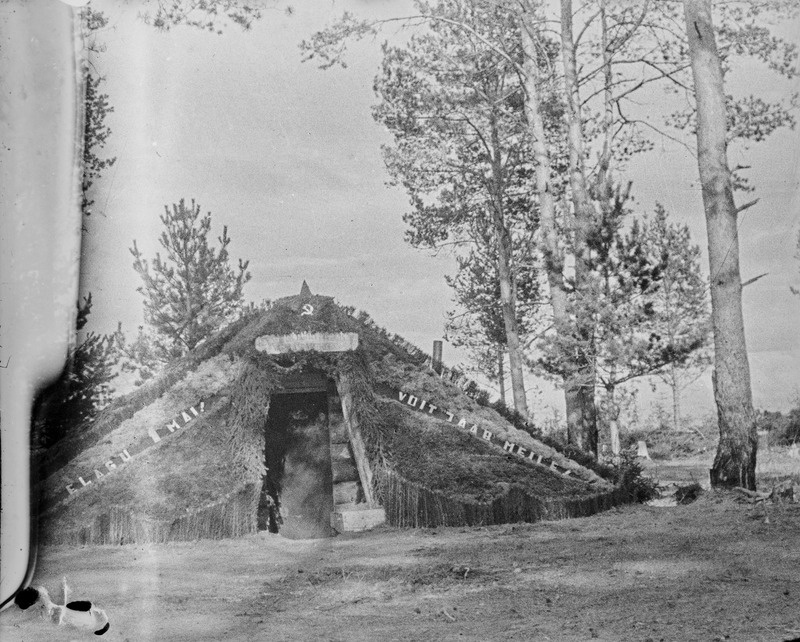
288 157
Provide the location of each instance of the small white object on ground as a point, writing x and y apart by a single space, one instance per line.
80 614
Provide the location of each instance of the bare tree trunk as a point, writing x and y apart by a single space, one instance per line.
604 184
674 374
586 419
735 462
501 373
675 384
508 298
509 305
513 343
613 423
552 252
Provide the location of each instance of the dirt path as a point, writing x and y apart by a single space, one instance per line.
713 570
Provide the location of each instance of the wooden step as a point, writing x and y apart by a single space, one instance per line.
341 452
343 471
346 493
338 430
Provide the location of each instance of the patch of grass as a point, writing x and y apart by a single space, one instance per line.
440 457
505 423
162 484
576 454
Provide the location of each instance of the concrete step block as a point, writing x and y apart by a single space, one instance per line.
357 519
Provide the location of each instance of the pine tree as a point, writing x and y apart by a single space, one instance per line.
451 98
96 132
479 325
683 306
96 135
610 53
207 15
140 356
85 386
647 301
192 291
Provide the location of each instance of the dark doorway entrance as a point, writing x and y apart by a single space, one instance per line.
297 496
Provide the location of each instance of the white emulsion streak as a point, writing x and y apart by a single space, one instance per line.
39 238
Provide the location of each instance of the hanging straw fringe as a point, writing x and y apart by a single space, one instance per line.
231 516
249 409
411 505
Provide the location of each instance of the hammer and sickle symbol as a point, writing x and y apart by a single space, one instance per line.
308 309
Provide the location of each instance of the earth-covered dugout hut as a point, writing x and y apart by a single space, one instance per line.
302 419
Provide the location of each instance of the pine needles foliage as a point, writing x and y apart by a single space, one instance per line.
249 408
192 290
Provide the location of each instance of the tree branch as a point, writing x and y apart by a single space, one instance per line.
754 279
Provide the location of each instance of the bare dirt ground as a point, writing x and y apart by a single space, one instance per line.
717 569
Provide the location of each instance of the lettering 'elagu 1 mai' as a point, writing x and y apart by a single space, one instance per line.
185 416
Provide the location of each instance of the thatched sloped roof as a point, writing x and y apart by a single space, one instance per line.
183 456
